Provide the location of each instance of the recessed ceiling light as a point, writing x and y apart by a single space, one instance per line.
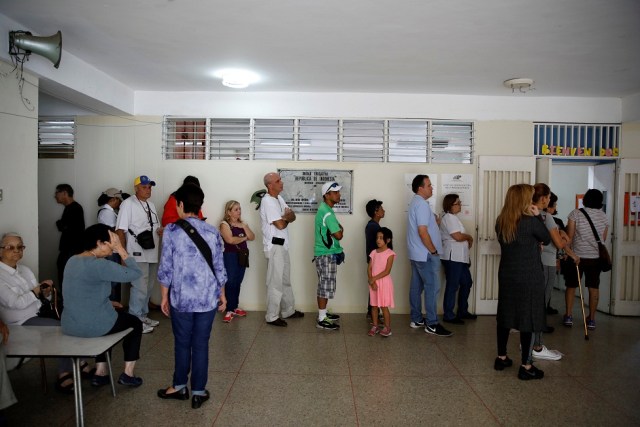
236 78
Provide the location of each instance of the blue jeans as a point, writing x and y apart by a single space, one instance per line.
425 277
458 280
235 274
191 332
141 289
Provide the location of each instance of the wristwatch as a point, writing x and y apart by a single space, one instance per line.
434 253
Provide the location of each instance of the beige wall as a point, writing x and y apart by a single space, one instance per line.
631 140
112 151
18 160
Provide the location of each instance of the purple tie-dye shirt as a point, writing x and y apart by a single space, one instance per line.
183 269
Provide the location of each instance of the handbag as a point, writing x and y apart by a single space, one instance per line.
145 239
49 308
603 253
243 257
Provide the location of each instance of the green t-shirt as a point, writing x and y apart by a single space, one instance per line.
326 224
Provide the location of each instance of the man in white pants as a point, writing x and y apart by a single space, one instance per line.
275 217
137 216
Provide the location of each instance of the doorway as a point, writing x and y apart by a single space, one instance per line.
569 179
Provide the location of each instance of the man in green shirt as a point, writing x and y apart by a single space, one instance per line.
327 253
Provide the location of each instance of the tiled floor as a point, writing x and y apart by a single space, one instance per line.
302 376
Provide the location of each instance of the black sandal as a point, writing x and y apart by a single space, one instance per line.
86 375
65 389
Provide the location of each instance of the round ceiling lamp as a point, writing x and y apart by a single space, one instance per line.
519 84
237 78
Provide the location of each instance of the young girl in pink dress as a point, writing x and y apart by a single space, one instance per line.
380 282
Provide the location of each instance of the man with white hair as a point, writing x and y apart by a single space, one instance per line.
275 216
139 230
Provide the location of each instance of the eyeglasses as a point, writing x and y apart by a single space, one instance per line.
13 248
334 185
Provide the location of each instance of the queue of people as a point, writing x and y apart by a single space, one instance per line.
201 269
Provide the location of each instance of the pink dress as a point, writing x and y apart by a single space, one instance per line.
383 297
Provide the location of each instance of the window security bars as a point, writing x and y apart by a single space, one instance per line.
315 139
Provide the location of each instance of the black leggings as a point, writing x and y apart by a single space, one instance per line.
525 344
130 343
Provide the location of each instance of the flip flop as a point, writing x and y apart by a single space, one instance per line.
86 375
65 389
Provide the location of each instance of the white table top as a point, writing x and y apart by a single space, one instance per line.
49 341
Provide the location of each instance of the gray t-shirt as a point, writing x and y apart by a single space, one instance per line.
549 251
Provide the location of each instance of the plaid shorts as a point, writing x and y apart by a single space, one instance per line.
327 270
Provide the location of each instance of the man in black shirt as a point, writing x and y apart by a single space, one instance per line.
71 225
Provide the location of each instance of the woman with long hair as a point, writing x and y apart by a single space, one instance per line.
520 277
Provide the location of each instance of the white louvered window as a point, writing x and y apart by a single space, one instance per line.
273 139
408 141
319 139
230 139
451 142
56 137
363 140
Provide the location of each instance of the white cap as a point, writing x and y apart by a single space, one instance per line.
330 186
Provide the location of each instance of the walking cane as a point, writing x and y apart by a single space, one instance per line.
584 319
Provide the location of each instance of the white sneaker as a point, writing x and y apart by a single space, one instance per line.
546 354
146 329
149 322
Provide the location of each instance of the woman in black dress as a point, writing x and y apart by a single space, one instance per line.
521 302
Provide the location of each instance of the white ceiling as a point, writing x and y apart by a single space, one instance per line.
585 48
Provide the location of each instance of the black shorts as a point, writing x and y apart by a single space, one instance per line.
589 267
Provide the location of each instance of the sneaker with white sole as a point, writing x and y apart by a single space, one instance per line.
332 317
146 329
546 354
327 324
150 322
417 325
438 330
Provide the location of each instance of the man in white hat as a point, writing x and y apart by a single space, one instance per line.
139 230
327 253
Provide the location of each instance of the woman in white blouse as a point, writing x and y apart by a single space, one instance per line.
109 202
455 259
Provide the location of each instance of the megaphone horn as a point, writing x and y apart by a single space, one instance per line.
49 47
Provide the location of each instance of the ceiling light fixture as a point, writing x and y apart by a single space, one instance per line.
520 84
236 78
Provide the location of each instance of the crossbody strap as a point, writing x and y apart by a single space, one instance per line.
200 243
593 228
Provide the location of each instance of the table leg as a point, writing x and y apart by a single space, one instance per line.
77 388
113 385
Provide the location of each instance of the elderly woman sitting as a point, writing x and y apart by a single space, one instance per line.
20 303
87 309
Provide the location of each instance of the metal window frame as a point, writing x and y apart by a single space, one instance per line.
377 138
60 129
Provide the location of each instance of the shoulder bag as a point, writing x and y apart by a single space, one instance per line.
200 243
604 257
